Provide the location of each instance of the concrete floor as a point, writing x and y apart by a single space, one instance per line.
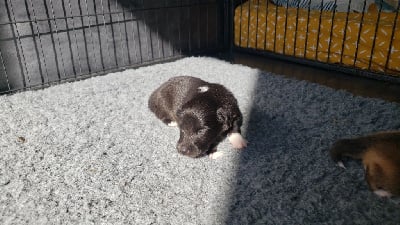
355 84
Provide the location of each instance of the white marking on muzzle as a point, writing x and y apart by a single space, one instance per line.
173 124
203 89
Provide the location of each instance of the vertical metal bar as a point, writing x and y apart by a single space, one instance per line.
284 31
240 21
126 36
5 70
198 25
69 37
219 9
15 42
276 24
266 23
331 34
133 33
248 24
207 26
139 41
258 7
51 36
34 41
91 34
145 32
229 12
58 37
345 32
105 28
157 32
374 39
319 29
98 34
224 17
180 26
151 41
297 25
391 48
167 22
120 33
112 33
190 29
84 36
76 39
359 34
231 21
20 43
308 22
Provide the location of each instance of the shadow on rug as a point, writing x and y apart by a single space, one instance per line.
286 175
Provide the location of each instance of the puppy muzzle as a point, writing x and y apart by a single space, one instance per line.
189 150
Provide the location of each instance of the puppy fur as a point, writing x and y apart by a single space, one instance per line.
204 112
380 155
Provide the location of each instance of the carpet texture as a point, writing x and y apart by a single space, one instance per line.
90 152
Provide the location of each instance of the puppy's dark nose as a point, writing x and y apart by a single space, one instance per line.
183 151
187 151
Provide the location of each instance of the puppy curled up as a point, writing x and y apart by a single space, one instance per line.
380 155
205 114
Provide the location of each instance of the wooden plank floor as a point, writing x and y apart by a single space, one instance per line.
357 85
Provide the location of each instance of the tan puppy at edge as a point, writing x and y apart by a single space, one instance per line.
380 155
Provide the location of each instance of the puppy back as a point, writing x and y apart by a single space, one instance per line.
353 148
356 147
173 93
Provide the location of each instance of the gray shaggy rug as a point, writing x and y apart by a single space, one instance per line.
90 152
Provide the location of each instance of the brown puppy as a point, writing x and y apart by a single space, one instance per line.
204 112
380 154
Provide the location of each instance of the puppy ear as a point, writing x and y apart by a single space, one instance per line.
223 117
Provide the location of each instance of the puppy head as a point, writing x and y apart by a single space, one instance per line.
200 131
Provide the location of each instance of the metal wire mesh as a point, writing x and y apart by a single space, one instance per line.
355 36
46 41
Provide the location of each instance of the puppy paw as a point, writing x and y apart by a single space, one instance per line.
237 140
383 193
215 155
173 124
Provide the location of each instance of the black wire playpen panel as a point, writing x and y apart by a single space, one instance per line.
47 41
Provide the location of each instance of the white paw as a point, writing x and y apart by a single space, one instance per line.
340 164
383 193
215 155
173 124
237 140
